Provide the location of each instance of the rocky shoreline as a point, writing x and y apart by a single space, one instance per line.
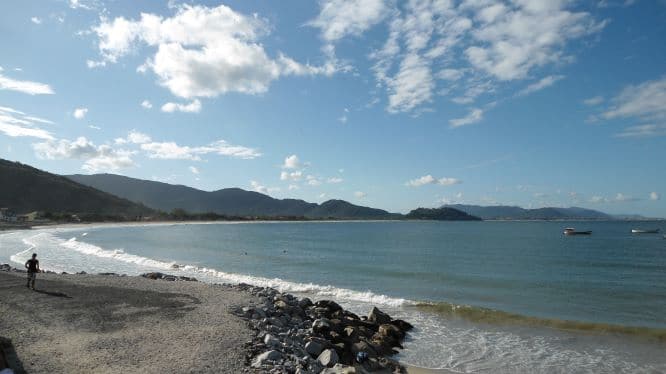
292 335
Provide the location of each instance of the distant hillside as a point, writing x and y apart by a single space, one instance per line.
25 189
441 214
228 201
514 212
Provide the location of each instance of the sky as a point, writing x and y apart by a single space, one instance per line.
383 103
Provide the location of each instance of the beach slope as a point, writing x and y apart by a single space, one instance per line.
113 324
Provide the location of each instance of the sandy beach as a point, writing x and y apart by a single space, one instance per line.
112 324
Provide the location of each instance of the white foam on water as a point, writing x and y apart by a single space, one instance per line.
51 243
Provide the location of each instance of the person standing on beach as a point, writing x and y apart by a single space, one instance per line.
33 268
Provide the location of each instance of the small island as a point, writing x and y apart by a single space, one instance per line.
440 214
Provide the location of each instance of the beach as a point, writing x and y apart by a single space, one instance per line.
113 324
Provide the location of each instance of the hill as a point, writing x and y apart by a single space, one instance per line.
227 201
517 213
24 189
441 214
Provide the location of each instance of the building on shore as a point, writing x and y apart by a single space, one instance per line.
7 215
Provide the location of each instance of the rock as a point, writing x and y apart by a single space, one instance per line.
331 305
363 346
271 341
321 326
402 325
314 348
328 358
378 317
265 357
339 369
304 303
391 330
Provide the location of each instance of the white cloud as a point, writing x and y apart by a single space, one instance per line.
620 197
36 20
94 127
291 162
418 182
292 176
173 151
202 51
80 113
293 187
360 194
313 181
134 137
474 46
540 85
429 179
28 87
258 187
475 115
194 170
592 101
97 158
654 196
598 199
146 104
193 107
646 101
335 180
339 18
643 131
15 123
84 4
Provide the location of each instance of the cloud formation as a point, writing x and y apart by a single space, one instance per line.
429 179
193 107
173 151
97 158
202 51
475 115
340 18
28 87
80 113
16 123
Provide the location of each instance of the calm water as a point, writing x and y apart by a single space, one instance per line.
484 295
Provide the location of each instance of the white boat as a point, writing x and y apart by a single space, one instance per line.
639 231
572 231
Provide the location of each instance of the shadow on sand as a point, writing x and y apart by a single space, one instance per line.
8 357
56 294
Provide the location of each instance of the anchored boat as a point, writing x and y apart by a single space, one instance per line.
572 231
639 231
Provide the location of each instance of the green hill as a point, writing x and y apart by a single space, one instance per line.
25 189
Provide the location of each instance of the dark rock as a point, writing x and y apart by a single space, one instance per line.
314 348
304 303
321 326
331 305
402 325
339 369
378 317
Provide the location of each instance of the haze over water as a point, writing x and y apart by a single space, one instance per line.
485 296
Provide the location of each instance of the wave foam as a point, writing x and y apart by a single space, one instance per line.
210 275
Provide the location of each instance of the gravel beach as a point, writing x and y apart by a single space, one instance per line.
113 324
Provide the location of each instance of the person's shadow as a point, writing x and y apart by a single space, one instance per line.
56 294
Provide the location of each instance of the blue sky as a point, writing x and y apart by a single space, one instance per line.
390 104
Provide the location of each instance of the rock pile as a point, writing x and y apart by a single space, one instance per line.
299 336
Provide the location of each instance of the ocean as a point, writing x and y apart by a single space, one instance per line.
485 297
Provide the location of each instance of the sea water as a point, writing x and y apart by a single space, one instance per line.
484 296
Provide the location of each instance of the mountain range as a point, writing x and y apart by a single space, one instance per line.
227 201
25 189
504 212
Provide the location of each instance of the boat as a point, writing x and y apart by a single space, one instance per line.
639 231
572 231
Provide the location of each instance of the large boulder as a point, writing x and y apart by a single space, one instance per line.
378 317
328 358
402 325
321 326
331 305
391 330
